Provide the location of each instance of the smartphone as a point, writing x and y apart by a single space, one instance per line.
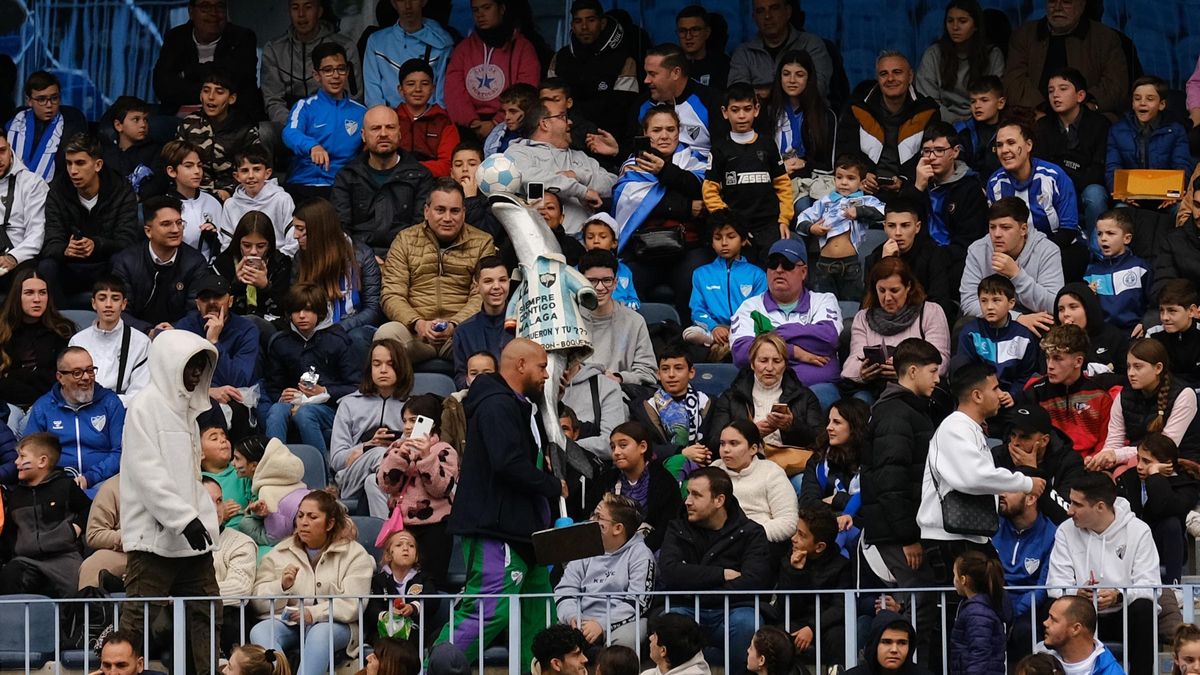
422 427
780 408
254 261
535 191
888 181
875 354
641 144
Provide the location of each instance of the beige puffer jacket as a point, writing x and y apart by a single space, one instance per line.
424 281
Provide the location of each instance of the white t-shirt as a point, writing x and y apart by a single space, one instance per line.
89 204
206 51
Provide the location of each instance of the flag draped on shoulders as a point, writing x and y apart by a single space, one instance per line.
637 192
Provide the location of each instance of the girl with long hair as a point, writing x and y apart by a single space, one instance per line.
770 653
805 126
32 334
960 57
1163 491
258 273
831 476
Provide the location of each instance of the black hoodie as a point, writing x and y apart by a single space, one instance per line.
1107 344
502 493
1059 466
882 622
592 72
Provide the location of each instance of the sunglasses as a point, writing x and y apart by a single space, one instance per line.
778 260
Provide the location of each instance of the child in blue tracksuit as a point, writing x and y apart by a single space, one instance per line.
720 287
997 339
1120 279
325 129
600 232
1142 139
412 37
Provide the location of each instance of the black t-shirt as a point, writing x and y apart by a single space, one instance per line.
746 175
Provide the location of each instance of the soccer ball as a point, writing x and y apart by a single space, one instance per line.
498 175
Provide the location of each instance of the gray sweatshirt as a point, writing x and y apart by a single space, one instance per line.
609 587
621 344
1038 282
613 410
541 162
357 413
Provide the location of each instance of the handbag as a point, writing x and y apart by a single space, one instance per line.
658 242
968 515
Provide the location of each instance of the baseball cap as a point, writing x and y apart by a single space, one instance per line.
212 284
791 250
602 217
1029 419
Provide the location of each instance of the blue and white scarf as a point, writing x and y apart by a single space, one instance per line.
37 153
637 192
789 133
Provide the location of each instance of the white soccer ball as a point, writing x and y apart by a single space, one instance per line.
498 175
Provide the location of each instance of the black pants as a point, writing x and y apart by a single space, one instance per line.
153 576
1171 540
1140 646
675 273
435 545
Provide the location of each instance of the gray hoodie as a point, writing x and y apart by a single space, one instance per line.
540 161
1037 283
357 414
621 344
608 588
613 410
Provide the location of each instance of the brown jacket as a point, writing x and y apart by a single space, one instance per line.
424 281
1092 48
1185 207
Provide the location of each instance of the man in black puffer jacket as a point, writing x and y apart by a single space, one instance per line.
893 467
600 65
160 277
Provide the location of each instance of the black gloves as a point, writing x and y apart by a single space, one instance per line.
197 535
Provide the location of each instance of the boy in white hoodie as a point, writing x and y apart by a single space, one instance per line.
257 191
1103 552
23 208
201 210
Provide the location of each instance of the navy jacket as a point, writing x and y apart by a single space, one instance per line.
144 280
1123 283
1167 148
8 456
978 639
1013 350
503 491
237 347
479 333
328 350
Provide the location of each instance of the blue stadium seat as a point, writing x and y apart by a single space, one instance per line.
82 318
368 531
714 378
13 628
433 383
872 240
316 468
657 312
849 308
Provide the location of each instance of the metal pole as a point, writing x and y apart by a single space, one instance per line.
178 636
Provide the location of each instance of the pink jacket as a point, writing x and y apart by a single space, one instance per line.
477 74
422 488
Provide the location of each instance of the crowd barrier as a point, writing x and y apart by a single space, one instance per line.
31 634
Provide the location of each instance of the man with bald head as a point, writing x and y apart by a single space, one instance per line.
505 493
383 190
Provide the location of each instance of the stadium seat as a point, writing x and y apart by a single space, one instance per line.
872 239
316 469
433 383
82 318
443 366
368 531
714 378
13 629
657 312
849 308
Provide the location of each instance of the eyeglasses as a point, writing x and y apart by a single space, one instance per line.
606 282
334 70
79 373
210 7
596 517
778 261
46 100
551 117
935 152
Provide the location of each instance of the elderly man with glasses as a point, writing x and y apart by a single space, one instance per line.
87 418
546 157
808 322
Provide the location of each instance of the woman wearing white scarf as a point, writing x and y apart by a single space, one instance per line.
658 194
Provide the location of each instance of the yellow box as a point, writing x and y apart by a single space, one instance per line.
1148 184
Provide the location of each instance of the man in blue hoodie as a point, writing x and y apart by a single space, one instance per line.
1023 542
413 37
323 130
87 418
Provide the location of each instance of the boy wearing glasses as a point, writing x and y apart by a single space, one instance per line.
37 131
86 418
620 339
323 130
709 68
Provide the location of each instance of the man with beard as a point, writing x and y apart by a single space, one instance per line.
87 419
1036 448
1071 638
1023 542
599 65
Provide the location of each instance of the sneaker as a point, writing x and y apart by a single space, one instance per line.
697 335
1193 523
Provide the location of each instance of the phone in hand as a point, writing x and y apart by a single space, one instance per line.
875 354
889 182
780 408
255 262
422 427
640 144
535 191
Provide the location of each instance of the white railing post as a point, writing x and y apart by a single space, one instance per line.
850 617
514 637
179 636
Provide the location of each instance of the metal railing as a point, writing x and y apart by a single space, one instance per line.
40 651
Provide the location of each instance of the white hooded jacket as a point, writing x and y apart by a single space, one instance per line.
27 220
160 455
273 201
1122 555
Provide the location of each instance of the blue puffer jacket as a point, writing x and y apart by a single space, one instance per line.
1167 149
978 639
90 435
718 290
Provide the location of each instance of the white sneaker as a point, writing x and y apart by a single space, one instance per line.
1193 523
699 336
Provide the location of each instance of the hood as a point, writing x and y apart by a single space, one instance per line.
431 33
1090 301
1115 533
1033 241
264 197
882 622
279 473
324 30
586 372
893 391
17 166
610 39
961 170
693 666
484 387
169 353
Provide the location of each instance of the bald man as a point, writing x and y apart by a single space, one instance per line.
383 190
505 492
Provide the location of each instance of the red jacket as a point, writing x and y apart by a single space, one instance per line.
477 74
1080 410
430 137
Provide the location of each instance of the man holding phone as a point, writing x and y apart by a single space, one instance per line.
235 337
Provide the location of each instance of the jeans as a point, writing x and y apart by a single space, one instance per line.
313 422
740 630
841 276
315 655
827 394
1095 202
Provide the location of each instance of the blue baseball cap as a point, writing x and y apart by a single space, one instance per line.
794 251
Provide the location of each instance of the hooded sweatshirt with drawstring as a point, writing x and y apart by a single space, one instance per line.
273 201
1107 344
161 452
25 213
1040 277
1121 556
883 621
